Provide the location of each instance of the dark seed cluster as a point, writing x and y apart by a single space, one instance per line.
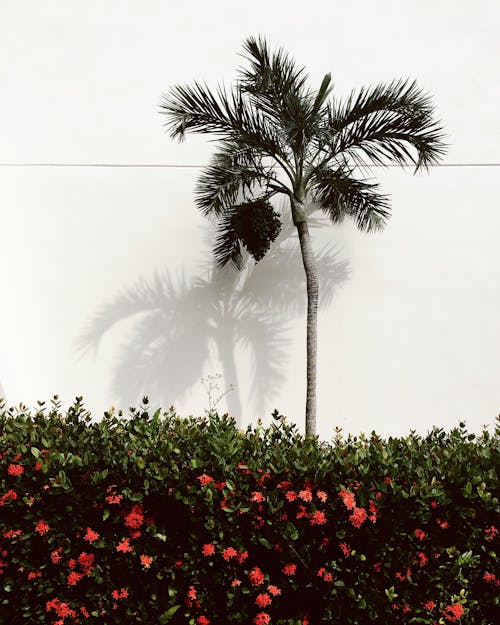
257 225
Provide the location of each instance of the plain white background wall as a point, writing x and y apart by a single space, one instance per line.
411 335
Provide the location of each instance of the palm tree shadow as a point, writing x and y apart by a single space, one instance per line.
174 322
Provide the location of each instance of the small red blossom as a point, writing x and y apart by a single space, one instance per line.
38 465
208 549
317 518
453 612
429 606
358 517
433 504
263 600
321 495
443 524
423 559
8 534
74 578
256 576
284 484
15 470
346 549
377 566
328 577
228 553
490 532
262 618
348 499
491 579
42 528
242 556
114 499
90 535
34 574
205 479
146 560
388 480
124 546
305 495
274 590
191 593
202 620
291 495
10 495
419 534
289 569
135 518
257 496
236 582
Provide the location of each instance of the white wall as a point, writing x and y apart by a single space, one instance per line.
411 335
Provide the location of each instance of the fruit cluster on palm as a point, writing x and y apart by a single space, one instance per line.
278 136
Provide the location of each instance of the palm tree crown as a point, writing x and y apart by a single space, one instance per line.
278 136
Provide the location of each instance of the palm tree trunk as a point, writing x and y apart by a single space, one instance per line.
312 322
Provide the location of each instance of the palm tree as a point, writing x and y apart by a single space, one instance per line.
278 136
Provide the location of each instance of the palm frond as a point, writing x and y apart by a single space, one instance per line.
232 173
231 116
388 123
227 247
340 196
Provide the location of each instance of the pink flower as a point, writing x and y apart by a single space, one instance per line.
289 569
15 469
263 600
208 549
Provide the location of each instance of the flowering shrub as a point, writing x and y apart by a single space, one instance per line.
158 519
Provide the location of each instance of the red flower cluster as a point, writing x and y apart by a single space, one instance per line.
15 469
256 576
453 612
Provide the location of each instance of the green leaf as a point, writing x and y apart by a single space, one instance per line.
167 615
35 451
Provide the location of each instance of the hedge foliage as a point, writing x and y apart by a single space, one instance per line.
157 519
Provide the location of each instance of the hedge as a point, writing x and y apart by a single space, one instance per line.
158 519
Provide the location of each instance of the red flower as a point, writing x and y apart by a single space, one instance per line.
10 495
15 469
346 549
289 569
257 496
328 577
202 620
124 546
490 532
443 524
377 566
305 495
291 495
262 618
205 479
74 578
242 556
429 606
491 579
321 495
358 517
423 558
114 498
56 556
38 466
34 574
419 534
228 553
146 560
135 518
453 612
235 582
321 571
86 560
42 528
90 535
208 549
256 576
274 590
387 480
348 499
263 600
191 593
317 518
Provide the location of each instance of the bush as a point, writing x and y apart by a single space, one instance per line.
157 519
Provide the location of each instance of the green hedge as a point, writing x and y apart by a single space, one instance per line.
158 519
